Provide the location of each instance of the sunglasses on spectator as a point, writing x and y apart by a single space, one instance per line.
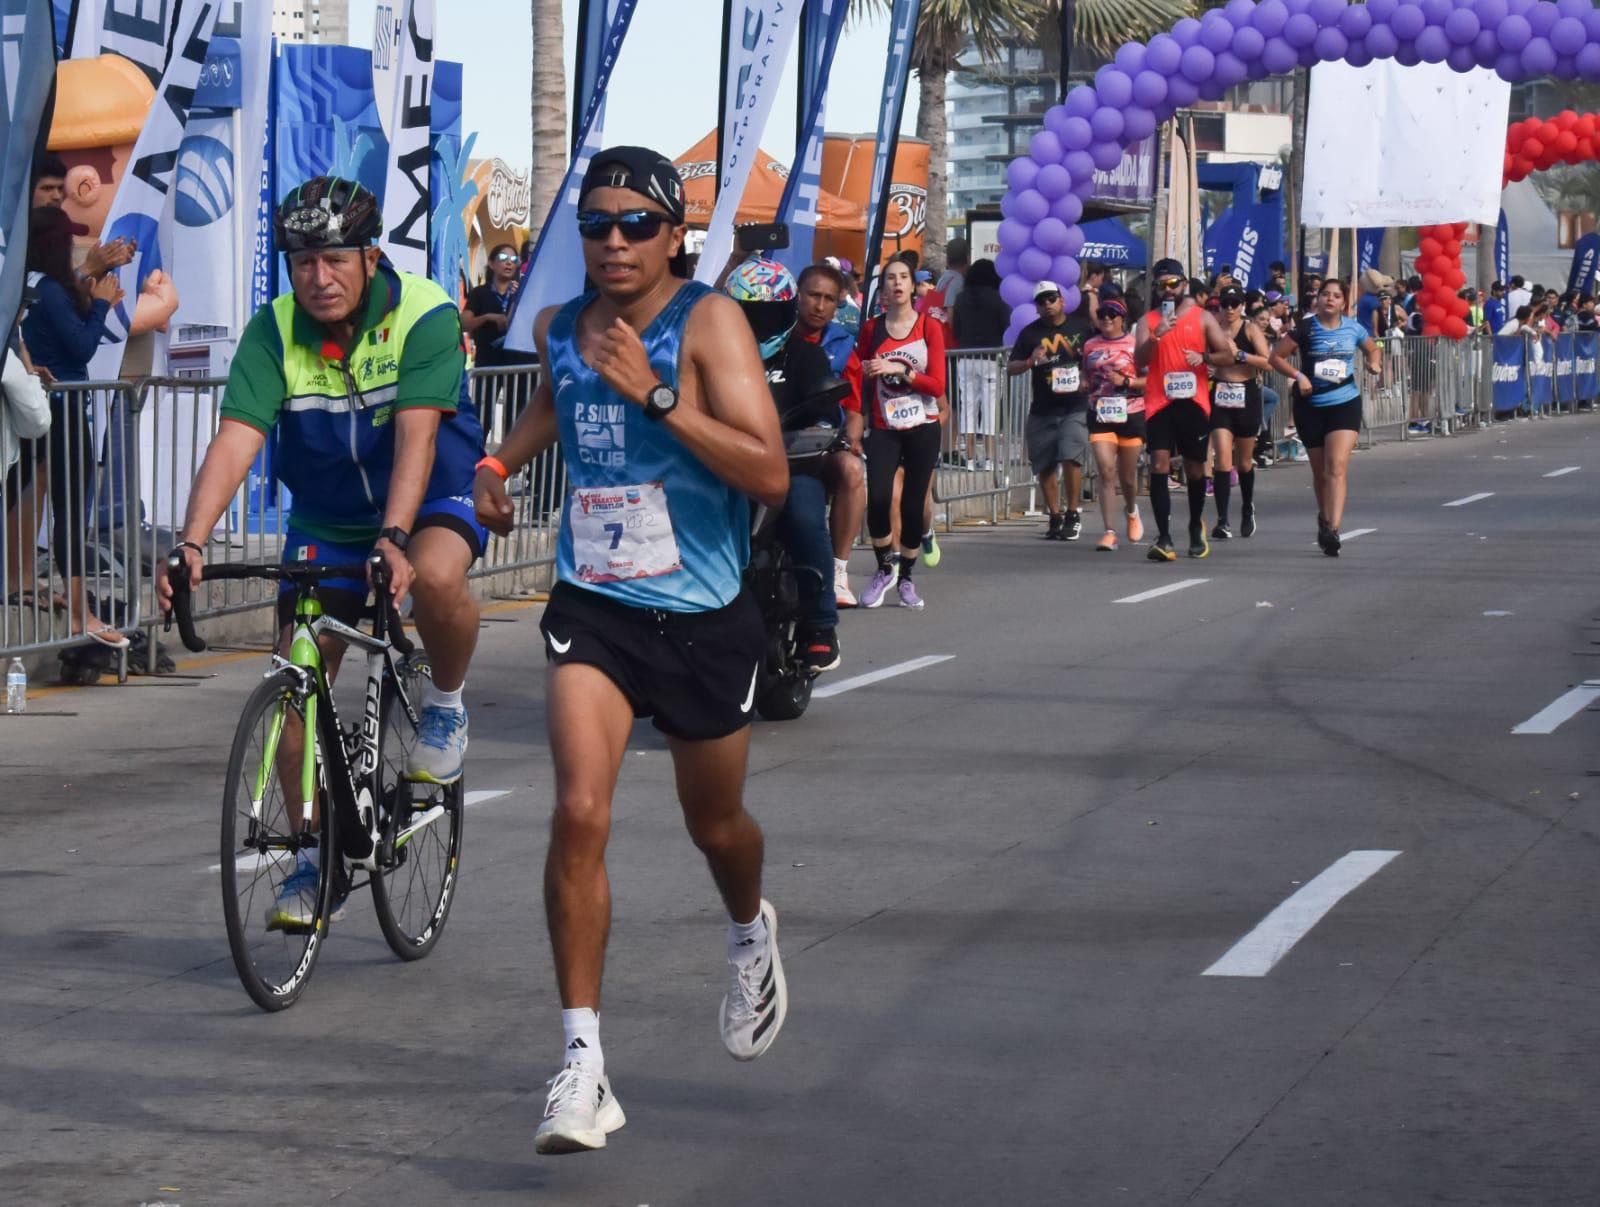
1169 282
506 257
1231 305
637 226
1048 297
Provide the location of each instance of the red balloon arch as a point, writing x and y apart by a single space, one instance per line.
1531 146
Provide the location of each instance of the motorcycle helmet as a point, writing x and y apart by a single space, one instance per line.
767 293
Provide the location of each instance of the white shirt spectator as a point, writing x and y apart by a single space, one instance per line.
27 409
1518 298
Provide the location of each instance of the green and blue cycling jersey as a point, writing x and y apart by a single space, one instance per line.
329 415
1328 358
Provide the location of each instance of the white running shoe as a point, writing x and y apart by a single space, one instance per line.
579 1114
843 596
758 997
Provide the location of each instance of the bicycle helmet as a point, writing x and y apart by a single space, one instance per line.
327 212
767 293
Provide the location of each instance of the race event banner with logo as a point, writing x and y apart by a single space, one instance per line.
1502 249
1585 263
756 45
142 196
1585 382
1541 390
1249 237
1566 357
1510 373
27 70
802 192
555 270
896 77
1369 246
402 82
1133 180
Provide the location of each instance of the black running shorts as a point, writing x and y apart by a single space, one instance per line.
694 673
1180 427
1312 424
1243 420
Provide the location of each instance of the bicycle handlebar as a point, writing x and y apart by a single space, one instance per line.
388 626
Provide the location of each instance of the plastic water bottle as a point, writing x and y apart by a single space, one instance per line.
16 687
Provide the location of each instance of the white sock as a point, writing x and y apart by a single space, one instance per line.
745 939
432 697
582 1027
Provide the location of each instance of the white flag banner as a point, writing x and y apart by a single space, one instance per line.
1389 145
759 39
135 29
86 29
407 61
144 192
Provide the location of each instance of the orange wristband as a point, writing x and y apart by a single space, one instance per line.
495 464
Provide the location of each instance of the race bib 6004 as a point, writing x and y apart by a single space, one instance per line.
1229 394
1180 385
622 532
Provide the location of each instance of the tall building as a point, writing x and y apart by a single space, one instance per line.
311 21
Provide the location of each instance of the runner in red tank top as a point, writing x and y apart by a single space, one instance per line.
1176 342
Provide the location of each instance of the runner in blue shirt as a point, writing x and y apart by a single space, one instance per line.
654 387
1327 398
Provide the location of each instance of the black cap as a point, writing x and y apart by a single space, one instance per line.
648 173
1231 295
1167 268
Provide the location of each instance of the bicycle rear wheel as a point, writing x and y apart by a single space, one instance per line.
419 855
274 933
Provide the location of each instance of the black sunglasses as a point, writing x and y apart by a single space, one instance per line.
1048 297
637 226
1231 305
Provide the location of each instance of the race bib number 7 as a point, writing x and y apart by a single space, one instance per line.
622 532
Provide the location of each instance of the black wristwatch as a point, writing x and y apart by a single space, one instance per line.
660 402
398 537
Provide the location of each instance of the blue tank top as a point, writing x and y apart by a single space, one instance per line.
627 473
1328 358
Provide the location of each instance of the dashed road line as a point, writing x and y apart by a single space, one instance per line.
1553 716
1355 532
878 676
1482 494
1271 940
1180 585
1559 473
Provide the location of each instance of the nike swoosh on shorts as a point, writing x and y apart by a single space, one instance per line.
559 646
750 696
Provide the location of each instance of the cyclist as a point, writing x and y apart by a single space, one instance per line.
663 436
1175 343
1116 417
1236 415
1327 400
359 377
821 288
796 369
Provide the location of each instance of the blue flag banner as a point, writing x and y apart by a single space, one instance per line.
63 17
1541 360
555 270
594 19
802 192
1502 250
1510 373
1586 348
896 75
1566 357
1107 241
27 70
1585 263
1249 237
1369 246
448 186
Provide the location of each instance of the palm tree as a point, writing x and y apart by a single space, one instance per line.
550 147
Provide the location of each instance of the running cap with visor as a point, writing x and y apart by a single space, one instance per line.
1231 295
1044 287
1168 268
646 172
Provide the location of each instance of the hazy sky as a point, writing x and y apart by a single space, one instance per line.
664 90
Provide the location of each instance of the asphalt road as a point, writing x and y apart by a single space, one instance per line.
1001 879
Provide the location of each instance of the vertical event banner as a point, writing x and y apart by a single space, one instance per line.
1369 246
402 76
1584 351
27 73
896 77
1249 237
139 30
594 22
555 271
1502 250
145 191
1585 262
820 29
1510 373
756 45
450 184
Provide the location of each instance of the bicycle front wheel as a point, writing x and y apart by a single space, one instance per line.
419 856
276 890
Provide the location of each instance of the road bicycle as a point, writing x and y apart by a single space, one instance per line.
339 803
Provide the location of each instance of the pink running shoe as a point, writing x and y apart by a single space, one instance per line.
882 580
908 594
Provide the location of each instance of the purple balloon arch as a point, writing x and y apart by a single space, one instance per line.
1145 83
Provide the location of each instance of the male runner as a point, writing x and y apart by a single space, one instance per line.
654 386
821 288
359 375
1174 343
1057 431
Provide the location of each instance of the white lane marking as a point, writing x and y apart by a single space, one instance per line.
484 795
1270 941
1483 494
1553 716
1355 532
1180 585
888 672
1557 473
